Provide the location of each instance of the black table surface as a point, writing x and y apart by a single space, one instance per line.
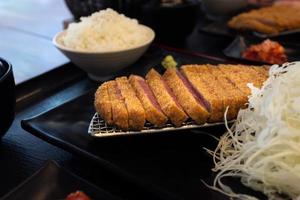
21 154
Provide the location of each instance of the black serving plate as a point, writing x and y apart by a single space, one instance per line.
240 44
220 28
53 182
171 164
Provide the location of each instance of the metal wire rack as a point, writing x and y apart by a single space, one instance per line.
98 128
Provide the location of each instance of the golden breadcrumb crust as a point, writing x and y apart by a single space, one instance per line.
136 113
153 115
204 83
102 103
185 98
270 20
119 110
234 98
165 100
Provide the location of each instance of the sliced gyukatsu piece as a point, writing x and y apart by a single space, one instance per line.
190 100
165 98
258 73
263 71
255 76
201 83
153 112
241 75
239 78
219 91
136 113
236 99
102 103
119 110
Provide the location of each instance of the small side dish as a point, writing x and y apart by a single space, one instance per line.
78 195
268 52
269 20
262 147
200 93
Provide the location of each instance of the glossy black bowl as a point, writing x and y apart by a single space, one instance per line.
171 23
8 99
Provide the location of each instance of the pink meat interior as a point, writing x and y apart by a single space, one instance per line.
118 91
149 93
170 92
196 94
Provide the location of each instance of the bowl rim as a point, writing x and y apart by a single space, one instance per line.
8 71
187 4
62 47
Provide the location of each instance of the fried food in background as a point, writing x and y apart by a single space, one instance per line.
269 20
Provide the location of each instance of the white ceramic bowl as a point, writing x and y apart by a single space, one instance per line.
101 66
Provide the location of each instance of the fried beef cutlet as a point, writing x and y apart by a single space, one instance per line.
263 71
236 99
241 75
153 112
255 75
260 74
201 91
226 92
201 83
136 113
220 91
119 110
270 20
192 103
165 98
102 103
240 80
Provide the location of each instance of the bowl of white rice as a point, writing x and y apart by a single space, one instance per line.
104 43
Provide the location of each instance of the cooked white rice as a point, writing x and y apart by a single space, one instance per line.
106 30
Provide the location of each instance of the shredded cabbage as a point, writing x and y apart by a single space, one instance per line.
263 146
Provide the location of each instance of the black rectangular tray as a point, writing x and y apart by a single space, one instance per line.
53 182
172 164
221 28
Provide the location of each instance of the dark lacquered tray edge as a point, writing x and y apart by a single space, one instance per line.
55 164
26 125
11 192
